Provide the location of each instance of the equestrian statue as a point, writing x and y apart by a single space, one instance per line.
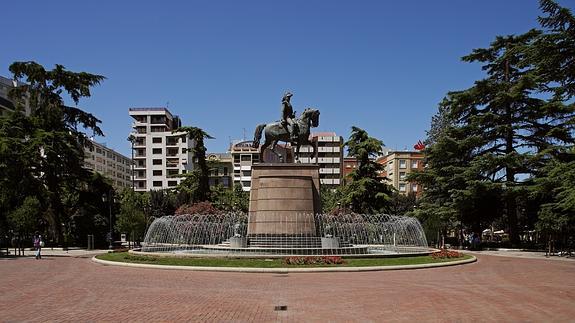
289 129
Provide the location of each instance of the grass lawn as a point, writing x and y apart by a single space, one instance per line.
267 263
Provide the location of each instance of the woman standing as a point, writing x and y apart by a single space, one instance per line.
38 245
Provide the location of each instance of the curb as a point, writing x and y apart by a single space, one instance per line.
285 270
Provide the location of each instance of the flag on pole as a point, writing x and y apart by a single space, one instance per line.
419 145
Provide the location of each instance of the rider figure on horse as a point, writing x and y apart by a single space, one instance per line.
288 116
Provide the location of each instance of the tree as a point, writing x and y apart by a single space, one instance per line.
196 183
235 199
133 218
552 53
54 138
25 219
330 200
366 193
496 138
512 127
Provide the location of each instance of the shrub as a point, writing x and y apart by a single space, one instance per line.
197 208
446 254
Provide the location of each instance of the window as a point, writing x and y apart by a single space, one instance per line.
172 183
157 140
157 151
183 139
402 187
402 163
157 183
157 172
414 164
225 171
157 161
402 176
414 187
172 172
246 157
98 150
184 150
236 158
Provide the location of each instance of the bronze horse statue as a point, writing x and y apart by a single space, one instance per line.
275 132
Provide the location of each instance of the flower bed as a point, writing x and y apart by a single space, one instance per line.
319 260
446 254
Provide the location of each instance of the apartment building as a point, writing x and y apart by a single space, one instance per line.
244 156
220 169
349 165
111 164
400 163
329 157
6 104
160 156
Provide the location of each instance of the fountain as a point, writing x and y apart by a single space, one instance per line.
342 234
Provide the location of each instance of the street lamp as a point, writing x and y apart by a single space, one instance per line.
132 140
109 198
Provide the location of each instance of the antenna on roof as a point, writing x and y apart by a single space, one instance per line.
167 104
244 134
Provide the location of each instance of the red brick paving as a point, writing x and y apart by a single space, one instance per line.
492 289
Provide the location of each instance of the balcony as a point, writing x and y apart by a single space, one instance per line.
171 141
171 163
173 153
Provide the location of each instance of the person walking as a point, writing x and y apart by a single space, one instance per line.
38 245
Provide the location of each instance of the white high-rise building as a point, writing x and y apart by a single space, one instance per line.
329 157
160 156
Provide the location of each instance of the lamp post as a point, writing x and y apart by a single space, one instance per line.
109 198
132 139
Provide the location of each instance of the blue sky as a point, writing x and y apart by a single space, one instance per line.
224 65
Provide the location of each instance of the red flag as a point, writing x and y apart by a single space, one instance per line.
419 145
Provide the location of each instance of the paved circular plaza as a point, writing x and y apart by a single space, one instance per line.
493 289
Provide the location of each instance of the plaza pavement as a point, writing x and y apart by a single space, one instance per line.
496 288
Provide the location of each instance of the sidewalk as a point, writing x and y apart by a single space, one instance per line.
59 252
517 253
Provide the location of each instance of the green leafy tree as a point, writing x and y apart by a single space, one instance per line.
25 219
133 218
330 200
366 193
235 199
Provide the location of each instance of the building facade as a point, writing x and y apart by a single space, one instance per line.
221 169
111 164
244 156
160 156
349 165
6 103
398 164
329 157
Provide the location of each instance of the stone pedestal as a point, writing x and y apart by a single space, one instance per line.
238 242
283 200
330 243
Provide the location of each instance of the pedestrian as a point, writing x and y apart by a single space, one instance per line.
38 244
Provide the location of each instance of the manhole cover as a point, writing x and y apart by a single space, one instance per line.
280 308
